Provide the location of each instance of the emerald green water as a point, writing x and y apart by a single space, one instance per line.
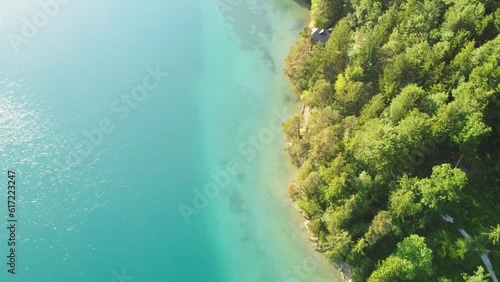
125 123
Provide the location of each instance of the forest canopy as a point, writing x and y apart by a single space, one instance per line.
400 154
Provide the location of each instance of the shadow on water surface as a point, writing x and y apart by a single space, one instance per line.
253 31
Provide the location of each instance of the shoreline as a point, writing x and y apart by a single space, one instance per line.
343 269
295 221
256 209
372 172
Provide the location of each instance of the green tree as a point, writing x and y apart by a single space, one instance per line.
478 276
292 128
337 244
393 269
350 92
411 261
405 201
310 184
320 119
321 94
467 16
366 12
415 250
325 13
372 109
494 235
443 187
297 62
404 102
323 146
381 226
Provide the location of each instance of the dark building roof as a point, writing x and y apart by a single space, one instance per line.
320 35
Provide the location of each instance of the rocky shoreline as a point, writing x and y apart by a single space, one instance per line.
342 267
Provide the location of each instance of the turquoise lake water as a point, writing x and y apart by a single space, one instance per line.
146 143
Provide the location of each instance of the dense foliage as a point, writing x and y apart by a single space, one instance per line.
401 148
